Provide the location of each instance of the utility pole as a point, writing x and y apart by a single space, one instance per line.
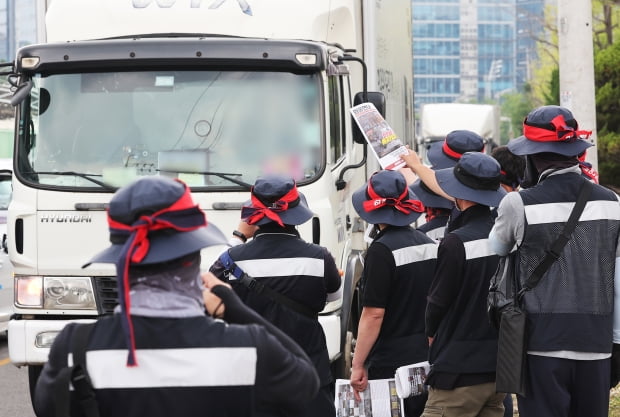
575 39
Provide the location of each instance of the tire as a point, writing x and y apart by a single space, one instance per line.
33 375
347 356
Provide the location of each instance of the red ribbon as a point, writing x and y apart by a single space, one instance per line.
451 152
588 171
259 210
400 204
562 132
182 216
434 212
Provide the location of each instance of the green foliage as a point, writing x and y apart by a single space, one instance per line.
608 145
607 83
552 94
516 106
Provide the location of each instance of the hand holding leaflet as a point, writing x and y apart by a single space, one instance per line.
385 145
379 399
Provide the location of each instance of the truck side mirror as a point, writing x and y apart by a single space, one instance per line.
374 97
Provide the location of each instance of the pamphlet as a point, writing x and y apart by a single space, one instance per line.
385 145
379 400
411 379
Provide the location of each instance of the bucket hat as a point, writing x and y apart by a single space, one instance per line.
386 199
178 226
550 129
428 197
152 220
447 153
476 177
275 198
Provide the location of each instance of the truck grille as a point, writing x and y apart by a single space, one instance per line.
107 295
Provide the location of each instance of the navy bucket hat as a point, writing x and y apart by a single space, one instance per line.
550 129
386 199
275 198
164 200
447 153
152 220
428 197
476 177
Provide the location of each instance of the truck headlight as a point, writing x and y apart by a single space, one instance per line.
29 291
68 293
55 293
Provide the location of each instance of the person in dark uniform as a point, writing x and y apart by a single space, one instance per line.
574 311
445 154
463 345
159 355
398 268
511 175
302 275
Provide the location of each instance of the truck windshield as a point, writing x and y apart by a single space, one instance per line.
206 127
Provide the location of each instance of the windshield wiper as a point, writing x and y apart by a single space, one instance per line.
223 175
77 174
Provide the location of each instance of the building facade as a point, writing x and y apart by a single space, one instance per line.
472 50
18 26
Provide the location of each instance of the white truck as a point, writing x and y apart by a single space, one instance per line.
439 119
213 92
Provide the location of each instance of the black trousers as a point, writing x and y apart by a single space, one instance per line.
565 388
414 406
322 404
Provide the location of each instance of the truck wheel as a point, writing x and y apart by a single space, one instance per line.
348 355
33 375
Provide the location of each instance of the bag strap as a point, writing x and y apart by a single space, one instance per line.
77 375
555 251
258 287
79 378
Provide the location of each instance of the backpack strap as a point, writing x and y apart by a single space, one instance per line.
230 266
258 287
77 375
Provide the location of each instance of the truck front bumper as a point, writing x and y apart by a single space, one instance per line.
30 340
25 337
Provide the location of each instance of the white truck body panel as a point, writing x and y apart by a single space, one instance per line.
330 21
439 119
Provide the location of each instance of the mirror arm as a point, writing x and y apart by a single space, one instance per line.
340 182
364 72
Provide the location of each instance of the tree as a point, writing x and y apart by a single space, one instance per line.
516 106
605 19
607 84
552 94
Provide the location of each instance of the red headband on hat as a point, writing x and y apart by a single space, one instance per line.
451 152
404 206
562 133
259 210
182 216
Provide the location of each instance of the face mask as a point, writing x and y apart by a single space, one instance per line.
530 177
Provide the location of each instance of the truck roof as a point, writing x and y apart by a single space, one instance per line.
177 51
329 21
